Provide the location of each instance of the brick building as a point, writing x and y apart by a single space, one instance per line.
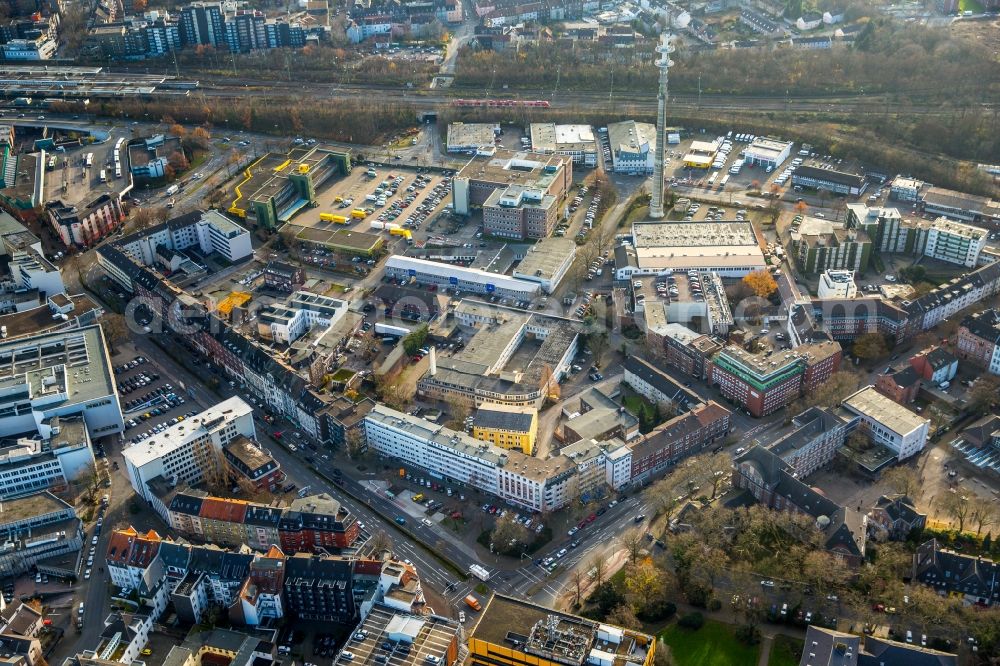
899 385
979 340
678 438
764 383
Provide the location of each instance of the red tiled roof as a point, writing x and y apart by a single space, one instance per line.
230 511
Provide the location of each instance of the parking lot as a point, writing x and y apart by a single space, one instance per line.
149 403
397 195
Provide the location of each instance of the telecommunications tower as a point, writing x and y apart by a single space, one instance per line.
664 49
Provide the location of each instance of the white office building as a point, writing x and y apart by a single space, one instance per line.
285 323
60 374
180 453
836 283
208 231
470 280
455 457
576 141
31 465
633 147
888 423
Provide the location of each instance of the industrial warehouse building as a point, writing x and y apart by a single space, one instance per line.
547 262
462 279
765 152
730 249
838 182
465 137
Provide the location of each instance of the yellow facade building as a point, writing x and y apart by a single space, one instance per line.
507 426
510 632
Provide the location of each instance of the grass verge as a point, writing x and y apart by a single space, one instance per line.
715 644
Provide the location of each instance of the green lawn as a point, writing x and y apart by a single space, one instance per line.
785 651
712 645
973 6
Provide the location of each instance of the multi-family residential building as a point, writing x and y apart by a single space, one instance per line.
837 284
812 443
705 425
935 365
979 340
309 523
888 423
954 242
905 189
203 23
830 247
974 578
284 323
899 385
189 451
506 426
764 384
541 485
895 517
84 226
657 386
256 588
283 277
206 231
251 465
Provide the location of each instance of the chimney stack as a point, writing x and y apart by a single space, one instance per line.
433 360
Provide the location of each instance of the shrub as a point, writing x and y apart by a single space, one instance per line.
693 621
657 611
747 634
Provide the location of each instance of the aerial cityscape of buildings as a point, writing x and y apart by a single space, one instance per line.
504 385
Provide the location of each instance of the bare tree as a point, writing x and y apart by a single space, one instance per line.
576 579
982 513
381 541
957 506
903 480
598 568
356 443
632 542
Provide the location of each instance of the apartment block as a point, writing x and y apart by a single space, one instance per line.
816 435
688 434
190 451
506 426
979 340
540 485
